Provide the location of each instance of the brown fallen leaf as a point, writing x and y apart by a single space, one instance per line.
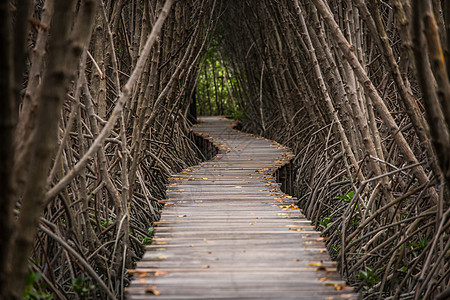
140 274
317 264
160 273
152 290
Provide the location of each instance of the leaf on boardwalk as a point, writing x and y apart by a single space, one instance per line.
140 274
206 267
160 242
290 207
318 264
205 178
161 257
152 291
160 273
181 216
337 286
238 187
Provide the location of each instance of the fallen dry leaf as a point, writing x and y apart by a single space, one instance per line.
160 273
152 290
140 274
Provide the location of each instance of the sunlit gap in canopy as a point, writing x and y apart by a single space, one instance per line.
218 87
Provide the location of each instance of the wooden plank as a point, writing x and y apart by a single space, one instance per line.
228 232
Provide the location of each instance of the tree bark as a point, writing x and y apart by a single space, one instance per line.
7 129
50 99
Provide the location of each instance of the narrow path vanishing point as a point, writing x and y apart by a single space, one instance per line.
228 232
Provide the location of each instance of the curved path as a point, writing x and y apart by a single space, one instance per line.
228 232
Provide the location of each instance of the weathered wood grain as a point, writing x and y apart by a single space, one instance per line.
228 232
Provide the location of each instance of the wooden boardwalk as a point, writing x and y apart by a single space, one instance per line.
228 232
